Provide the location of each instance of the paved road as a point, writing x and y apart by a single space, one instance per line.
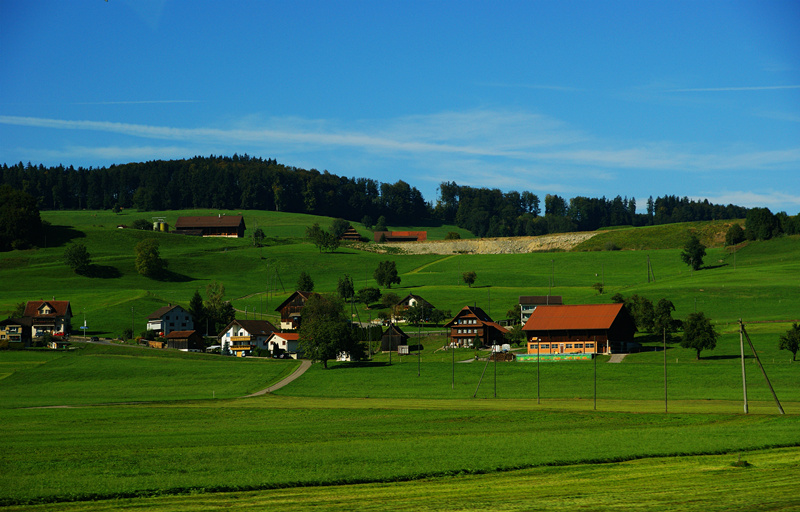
304 365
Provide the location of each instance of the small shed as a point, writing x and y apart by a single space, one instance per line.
187 341
392 338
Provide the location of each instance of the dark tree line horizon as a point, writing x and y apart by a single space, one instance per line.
250 183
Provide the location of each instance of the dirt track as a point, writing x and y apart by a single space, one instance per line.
516 245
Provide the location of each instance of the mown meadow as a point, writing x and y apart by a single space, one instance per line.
106 427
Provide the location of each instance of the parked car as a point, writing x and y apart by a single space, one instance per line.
94 338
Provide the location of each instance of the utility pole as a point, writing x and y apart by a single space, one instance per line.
665 370
744 374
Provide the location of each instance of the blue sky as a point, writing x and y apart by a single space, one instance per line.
605 98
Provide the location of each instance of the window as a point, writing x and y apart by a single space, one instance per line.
590 345
533 346
579 345
545 345
569 345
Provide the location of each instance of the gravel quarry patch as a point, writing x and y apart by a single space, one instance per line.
512 245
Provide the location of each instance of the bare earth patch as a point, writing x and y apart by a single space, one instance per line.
515 245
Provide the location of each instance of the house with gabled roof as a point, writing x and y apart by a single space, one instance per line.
473 323
284 343
231 226
240 337
578 329
411 300
291 309
15 333
392 338
48 317
169 318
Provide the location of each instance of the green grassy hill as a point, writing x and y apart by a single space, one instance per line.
758 282
160 430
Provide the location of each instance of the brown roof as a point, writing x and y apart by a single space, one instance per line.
254 327
162 311
586 316
180 334
60 308
304 295
210 221
480 314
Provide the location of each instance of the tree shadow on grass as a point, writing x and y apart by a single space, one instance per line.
343 365
168 276
102 272
57 236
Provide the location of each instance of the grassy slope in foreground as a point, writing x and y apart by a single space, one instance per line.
107 452
703 484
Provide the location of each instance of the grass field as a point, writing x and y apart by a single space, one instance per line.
118 426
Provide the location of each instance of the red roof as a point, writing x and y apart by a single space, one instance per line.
586 316
288 336
60 308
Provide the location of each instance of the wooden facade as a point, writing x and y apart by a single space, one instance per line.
472 322
291 309
392 338
230 226
187 341
578 329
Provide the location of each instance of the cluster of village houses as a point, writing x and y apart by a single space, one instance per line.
552 329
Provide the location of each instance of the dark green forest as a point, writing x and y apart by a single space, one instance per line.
245 182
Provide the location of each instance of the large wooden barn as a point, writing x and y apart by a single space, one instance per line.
231 226
578 329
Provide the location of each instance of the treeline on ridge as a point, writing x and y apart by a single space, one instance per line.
244 182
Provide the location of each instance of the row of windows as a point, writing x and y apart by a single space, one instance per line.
569 345
467 321
468 331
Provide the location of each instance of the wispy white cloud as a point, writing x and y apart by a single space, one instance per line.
728 89
133 102
484 148
545 87
773 199
528 139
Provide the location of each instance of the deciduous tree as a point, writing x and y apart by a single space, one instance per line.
304 282
698 333
345 287
386 274
693 252
369 295
77 257
469 278
149 262
326 331
790 340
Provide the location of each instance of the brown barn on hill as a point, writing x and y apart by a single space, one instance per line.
400 236
231 226
578 329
